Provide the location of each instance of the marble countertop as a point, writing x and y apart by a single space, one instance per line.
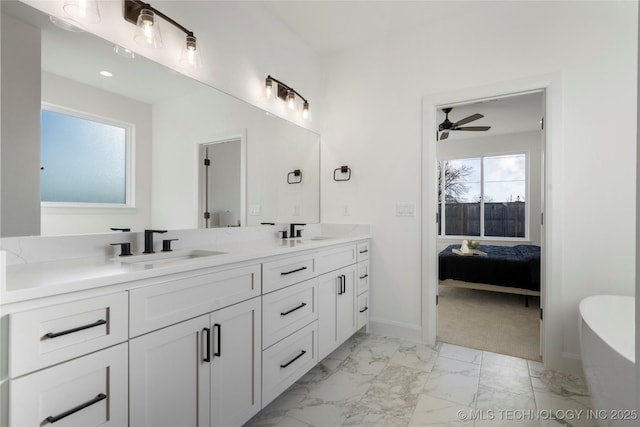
41 279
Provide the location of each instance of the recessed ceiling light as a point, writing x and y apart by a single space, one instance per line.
105 73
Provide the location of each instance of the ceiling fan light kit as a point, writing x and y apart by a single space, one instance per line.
447 125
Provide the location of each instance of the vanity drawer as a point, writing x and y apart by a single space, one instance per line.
172 301
363 309
288 360
363 251
335 258
287 271
287 310
49 335
89 391
363 277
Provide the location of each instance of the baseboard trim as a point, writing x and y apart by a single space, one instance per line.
405 331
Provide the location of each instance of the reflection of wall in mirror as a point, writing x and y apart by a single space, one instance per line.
181 124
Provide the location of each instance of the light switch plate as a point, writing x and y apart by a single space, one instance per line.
405 209
254 210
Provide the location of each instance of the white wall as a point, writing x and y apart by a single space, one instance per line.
373 123
72 95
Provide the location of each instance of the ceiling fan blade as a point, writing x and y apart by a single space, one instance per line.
474 128
444 135
469 119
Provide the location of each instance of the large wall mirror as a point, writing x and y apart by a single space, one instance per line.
171 121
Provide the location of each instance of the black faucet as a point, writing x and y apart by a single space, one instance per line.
148 240
292 230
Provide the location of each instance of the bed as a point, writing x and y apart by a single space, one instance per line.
510 269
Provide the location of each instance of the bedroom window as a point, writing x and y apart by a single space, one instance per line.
84 160
483 196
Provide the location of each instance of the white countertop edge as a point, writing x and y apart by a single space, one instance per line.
116 272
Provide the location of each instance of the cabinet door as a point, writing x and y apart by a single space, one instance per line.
88 391
337 319
235 363
347 304
328 287
169 376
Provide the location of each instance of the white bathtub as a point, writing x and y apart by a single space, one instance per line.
607 346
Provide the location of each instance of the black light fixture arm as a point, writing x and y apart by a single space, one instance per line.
287 87
132 10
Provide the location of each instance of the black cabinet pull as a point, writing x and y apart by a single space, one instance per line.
56 418
284 273
364 309
293 309
302 353
208 357
344 284
218 349
364 251
79 328
339 285
364 277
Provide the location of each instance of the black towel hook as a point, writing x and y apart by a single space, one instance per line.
342 169
295 174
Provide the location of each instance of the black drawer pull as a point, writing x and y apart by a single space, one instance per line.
302 353
218 352
284 273
208 357
364 277
364 251
364 309
79 328
98 398
293 309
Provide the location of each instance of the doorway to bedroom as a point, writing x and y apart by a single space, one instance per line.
489 232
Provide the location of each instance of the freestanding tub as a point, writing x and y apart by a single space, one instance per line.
607 346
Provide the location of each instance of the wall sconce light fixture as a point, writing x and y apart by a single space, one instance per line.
275 87
145 18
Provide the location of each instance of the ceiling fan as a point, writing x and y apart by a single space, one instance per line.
447 125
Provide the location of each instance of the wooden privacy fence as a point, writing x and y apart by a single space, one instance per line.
501 219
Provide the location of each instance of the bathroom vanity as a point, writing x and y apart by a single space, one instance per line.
205 336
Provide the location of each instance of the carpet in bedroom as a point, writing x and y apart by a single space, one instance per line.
490 321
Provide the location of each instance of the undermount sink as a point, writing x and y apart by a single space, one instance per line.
321 238
165 258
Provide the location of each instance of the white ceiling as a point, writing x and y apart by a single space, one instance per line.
328 26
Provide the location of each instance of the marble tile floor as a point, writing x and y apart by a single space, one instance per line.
380 381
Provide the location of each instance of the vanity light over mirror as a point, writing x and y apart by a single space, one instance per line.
172 120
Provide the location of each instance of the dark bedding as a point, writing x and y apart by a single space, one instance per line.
514 266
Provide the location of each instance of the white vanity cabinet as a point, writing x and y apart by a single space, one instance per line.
201 372
169 376
289 322
204 371
68 363
337 314
363 292
88 391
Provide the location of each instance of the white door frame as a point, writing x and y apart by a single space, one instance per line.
551 274
239 135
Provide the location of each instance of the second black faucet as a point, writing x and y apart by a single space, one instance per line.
148 240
